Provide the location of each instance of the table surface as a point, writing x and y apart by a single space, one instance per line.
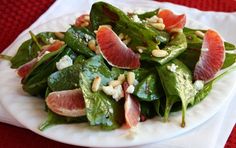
18 15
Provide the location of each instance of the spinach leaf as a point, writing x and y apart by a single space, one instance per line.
105 14
174 48
78 38
208 86
80 59
148 14
230 59
148 109
143 72
101 109
29 49
149 89
36 81
194 42
177 85
54 119
65 79
190 58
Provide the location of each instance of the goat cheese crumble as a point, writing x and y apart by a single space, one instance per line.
64 62
172 68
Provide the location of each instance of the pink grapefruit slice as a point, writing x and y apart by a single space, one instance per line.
114 51
68 103
132 108
172 21
211 58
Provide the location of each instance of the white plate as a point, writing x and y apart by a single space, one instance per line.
29 111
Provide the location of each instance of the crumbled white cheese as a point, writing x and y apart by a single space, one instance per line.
40 57
108 90
204 49
136 19
172 68
135 82
118 93
64 62
198 85
130 89
51 40
87 37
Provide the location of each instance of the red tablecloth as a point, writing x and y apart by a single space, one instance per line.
17 15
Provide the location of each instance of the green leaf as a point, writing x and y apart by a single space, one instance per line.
65 79
105 14
195 42
36 81
54 119
208 87
174 48
149 89
77 39
101 109
190 58
148 14
177 85
230 59
148 109
29 49
5 57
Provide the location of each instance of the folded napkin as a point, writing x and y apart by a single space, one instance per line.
216 130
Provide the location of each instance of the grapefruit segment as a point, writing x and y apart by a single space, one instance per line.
114 51
211 57
132 108
68 103
23 70
172 21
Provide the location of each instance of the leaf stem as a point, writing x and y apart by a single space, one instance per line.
5 57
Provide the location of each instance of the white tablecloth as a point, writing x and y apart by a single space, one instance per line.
216 130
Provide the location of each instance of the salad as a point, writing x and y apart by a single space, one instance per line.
112 69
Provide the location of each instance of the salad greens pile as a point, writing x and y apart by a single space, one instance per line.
163 84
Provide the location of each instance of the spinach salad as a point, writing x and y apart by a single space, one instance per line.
112 68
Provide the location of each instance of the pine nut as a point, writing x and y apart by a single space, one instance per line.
59 35
140 50
176 30
92 45
141 47
115 83
121 78
159 53
199 34
158 26
84 24
87 18
96 84
130 78
126 37
160 20
126 42
121 36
